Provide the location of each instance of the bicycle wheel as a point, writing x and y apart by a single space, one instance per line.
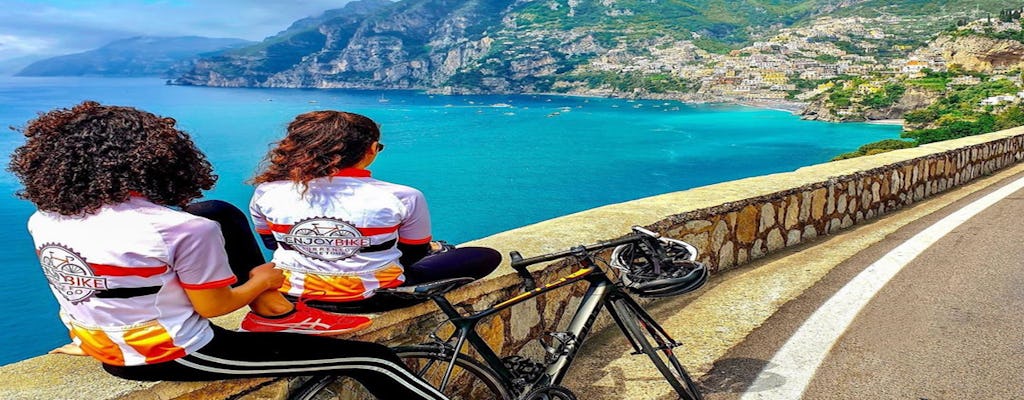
469 379
649 338
316 388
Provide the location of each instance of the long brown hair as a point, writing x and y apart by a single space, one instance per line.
77 160
317 144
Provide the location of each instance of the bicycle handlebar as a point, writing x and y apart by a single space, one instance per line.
519 263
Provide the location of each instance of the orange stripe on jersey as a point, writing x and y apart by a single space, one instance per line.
113 270
287 285
154 343
333 288
97 344
264 231
389 277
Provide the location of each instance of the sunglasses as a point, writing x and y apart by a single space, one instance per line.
380 147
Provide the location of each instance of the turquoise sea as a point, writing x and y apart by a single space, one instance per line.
486 163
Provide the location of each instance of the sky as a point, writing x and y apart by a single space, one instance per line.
42 28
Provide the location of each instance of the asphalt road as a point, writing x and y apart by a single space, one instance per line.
949 325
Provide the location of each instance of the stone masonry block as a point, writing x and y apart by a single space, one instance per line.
775 240
818 204
719 235
746 225
793 237
792 213
767 217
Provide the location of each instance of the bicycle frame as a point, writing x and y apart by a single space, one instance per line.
600 292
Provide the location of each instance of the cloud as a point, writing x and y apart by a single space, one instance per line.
54 27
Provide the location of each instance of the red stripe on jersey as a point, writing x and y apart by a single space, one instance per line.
414 241
279 228
264 231
113 270
365 231
378 231
210 285
352 172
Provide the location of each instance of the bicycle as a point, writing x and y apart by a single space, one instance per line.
444 364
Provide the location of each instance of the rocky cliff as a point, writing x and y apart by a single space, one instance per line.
913 98
478 45
979 53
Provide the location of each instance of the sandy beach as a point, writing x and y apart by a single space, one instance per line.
780 105
886 122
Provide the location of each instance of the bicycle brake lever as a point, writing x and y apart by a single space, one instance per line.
645 231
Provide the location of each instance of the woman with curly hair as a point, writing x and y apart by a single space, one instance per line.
137 279
340 234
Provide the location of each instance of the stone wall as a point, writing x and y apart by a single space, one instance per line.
735 232
730 223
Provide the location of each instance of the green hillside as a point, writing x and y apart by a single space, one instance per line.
716 22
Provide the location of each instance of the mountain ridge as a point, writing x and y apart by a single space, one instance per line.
135 56
507 46
430 44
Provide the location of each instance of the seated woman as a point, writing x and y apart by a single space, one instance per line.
136 279
340 234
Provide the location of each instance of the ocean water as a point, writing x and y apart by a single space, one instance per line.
485 163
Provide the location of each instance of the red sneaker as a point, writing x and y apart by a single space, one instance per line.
306 320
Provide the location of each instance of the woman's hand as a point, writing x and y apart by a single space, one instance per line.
272 277
69 349
215 302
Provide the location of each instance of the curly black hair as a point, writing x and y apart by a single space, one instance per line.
77 160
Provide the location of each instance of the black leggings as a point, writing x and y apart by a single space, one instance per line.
272 354
255 354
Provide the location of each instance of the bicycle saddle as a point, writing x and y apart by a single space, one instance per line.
426 289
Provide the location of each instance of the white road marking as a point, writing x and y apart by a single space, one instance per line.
798 360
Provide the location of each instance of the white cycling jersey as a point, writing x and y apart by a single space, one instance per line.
119 276
336 239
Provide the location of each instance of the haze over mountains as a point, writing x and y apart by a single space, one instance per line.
137 56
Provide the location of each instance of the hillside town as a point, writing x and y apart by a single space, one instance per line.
798 63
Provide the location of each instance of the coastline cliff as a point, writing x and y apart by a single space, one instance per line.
495 46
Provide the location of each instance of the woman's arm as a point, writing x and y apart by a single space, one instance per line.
215 302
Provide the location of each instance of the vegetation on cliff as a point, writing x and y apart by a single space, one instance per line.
494 45
963 110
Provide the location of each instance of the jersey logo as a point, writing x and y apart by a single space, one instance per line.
68 273
325 238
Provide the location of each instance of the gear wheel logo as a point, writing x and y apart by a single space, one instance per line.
325 238
68 273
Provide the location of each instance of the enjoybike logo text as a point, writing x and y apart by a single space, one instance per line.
68 273
325 238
